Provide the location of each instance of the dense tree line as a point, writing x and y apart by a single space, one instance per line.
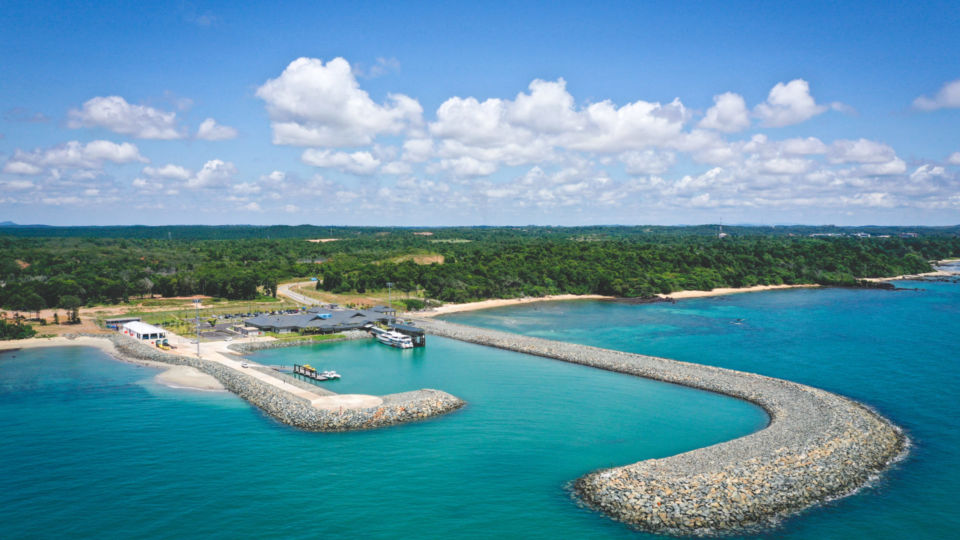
60 272
637 269
38 272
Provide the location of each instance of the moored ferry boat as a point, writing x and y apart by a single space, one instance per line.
395 339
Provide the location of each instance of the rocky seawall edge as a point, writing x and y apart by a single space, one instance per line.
295 411
817 446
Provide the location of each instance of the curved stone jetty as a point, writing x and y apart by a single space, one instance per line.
817 446
348 413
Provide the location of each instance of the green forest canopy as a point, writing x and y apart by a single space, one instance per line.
48 266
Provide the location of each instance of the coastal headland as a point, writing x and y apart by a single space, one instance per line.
282 397
817 446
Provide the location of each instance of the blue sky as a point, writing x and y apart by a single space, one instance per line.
467 113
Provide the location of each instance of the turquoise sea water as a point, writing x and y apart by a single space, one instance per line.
896 351
94 448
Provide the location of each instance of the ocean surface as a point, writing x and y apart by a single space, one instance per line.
92 447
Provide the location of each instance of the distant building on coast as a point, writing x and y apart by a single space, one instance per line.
143 331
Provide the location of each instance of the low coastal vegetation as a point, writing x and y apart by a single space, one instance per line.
15 330
57 267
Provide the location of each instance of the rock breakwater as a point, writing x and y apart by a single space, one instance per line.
294 410
817 446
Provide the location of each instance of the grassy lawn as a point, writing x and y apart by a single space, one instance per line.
368 298
314 337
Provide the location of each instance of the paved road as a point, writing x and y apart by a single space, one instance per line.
284 290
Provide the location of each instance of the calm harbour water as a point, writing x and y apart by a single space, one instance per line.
94 448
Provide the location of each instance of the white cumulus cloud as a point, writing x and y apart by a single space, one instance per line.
648 161
729 114
169 171
361 163
860 151
214 174
947 97
151 186
954 158
21 167
788 104
397 167
317 104
467 167
210 130
75 155
17 185
115 114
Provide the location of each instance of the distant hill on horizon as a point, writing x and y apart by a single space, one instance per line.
229 232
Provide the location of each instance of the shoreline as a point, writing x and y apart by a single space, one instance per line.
447 309
182 377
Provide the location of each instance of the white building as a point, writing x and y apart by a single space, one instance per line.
142 330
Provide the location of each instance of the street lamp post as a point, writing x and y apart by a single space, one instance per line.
389 295
196 303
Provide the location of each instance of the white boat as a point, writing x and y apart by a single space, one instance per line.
395 339
330 375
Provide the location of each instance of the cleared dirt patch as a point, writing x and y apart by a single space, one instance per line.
423 258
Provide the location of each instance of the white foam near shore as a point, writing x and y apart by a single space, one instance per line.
188 377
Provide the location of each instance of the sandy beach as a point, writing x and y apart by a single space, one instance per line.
721 291
679 295
175 376
487 304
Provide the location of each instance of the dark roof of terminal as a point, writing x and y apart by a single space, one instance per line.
312 319
407 328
